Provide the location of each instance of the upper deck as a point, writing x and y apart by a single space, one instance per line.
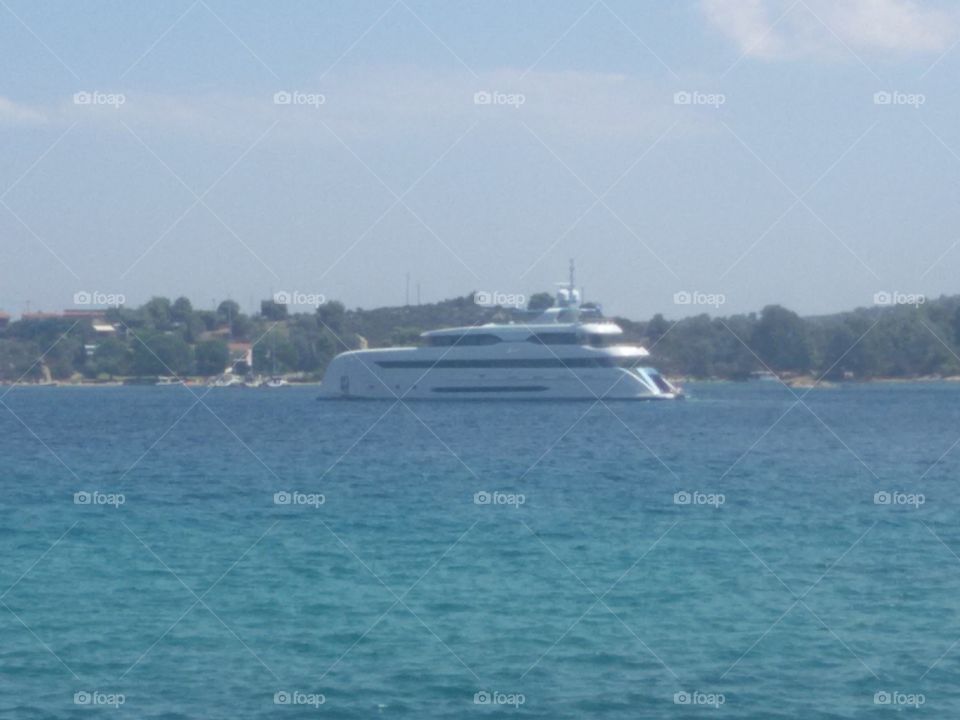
593 334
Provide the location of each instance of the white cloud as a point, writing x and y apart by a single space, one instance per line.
779 29
746 22
893 25
13 113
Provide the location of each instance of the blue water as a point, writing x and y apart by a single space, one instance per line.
584 591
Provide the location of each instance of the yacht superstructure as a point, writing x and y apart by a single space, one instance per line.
568 352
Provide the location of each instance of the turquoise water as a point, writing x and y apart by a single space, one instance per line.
582 589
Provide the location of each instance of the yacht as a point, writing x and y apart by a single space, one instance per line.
568 352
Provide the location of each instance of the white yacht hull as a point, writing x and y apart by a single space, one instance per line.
581 374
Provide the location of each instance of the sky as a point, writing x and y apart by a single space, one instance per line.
692 156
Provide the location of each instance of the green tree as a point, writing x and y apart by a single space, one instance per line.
18 359
405 336
43 331
213 357
242 327
66 357
181 310
161 354
540 301
277 352
157 312
955 325
780 339
272 310
112 357
227 311
657 328
193 328
331 315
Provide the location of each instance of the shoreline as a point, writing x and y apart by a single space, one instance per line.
798 382
113 384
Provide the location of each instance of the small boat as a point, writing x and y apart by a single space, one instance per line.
276 382
227 381
167 381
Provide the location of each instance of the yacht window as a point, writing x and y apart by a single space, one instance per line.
659 381
598 340
554 338
463 340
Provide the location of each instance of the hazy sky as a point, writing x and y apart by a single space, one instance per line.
734 147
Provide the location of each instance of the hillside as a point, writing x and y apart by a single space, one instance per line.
163 338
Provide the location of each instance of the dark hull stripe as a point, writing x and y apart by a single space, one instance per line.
520 363
490 389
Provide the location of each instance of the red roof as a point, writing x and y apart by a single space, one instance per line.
40 316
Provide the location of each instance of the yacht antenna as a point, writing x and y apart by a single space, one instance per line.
571 288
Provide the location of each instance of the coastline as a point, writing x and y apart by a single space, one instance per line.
805 382
811 382
188 382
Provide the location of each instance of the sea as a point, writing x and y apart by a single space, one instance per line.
751 552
